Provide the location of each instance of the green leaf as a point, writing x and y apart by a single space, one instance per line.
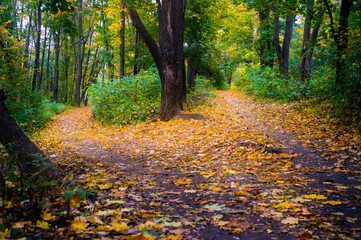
81 193
68 194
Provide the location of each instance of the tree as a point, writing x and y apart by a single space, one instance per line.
168 55
309 41
340 36
283 53
17 144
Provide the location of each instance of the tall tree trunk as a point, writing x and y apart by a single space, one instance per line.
56 66
67 60
191 74
168 56
122 46
341 39
36 73
80 60
30 158
42 62
136 52
48 61
27 43
283 52
308 44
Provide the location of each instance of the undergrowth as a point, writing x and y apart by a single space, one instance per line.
137 99
319 96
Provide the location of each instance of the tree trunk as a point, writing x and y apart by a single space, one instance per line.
191 74
56 66
283 52
136 52
304 67
169 55
27 43
122 46
36 73
40 79
80 60
308 45
30 158
48 61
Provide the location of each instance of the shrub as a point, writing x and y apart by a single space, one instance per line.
204 90
129 100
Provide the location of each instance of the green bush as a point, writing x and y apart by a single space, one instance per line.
129 100
266 83
204 90
31 110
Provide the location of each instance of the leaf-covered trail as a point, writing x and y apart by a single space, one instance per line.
251 170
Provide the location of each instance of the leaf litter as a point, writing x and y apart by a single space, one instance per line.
248 170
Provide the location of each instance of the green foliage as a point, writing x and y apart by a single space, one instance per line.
266 83
203 92
30 109
129 100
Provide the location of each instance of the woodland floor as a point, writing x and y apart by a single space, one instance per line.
251 170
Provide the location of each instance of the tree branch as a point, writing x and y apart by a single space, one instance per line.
148 40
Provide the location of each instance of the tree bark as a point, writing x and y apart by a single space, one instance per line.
168 56
80 60
30 158
191 73
56 66
27 42
40 79
36 73
308 44
122 46
283 52
48 61
136 52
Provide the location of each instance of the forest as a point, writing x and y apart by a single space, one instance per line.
180 119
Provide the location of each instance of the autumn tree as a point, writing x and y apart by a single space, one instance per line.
168 54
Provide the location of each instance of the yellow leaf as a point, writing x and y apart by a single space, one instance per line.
74 204
240 193
283 205
217 189
314 196
79 225
119 227
42 224
332 202
288 165
183 182
47 216
4 234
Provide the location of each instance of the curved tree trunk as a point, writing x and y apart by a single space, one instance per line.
31 159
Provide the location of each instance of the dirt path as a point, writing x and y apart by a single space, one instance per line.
251 171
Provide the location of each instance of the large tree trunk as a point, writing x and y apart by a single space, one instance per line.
36 74
56 67
30 158
80 59
283 52
122 46
169 55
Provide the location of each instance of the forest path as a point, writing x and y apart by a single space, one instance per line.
252 170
